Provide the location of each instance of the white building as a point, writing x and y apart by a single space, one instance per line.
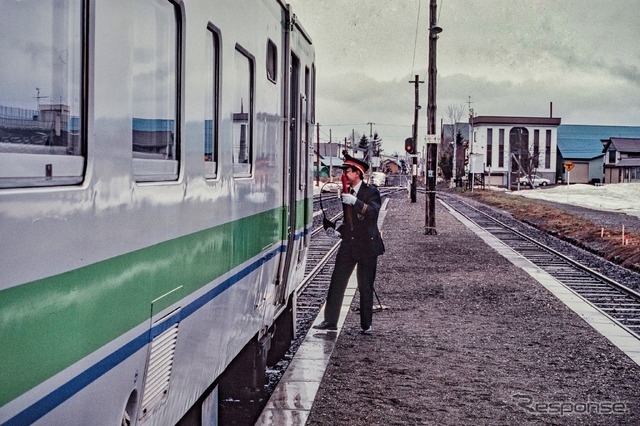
531 139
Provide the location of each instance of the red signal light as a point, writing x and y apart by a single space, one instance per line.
410 146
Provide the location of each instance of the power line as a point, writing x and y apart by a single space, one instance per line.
415 41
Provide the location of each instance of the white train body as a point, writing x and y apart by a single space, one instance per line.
155 200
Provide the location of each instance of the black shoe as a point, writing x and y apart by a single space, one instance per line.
325 326
367 331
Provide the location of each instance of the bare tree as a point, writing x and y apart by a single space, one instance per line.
454 112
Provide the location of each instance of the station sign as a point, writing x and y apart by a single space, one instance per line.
433 139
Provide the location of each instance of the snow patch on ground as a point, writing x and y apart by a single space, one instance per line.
619 197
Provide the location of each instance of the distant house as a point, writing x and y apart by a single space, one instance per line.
583 147
390 166
622 160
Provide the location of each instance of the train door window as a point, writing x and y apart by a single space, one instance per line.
212 102
156 36
304 131
272 61
313 94
41 92
242 132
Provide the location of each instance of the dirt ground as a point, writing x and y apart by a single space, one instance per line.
469 339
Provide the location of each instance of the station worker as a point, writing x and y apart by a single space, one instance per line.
361 245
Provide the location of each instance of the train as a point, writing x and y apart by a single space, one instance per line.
155 204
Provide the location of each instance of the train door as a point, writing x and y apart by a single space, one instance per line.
304 162
291 177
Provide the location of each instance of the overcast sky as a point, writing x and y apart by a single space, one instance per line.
512 57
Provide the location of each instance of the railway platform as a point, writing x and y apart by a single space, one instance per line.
470 333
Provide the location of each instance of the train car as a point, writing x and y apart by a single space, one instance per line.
155 204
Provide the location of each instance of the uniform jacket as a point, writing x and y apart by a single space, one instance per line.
363 237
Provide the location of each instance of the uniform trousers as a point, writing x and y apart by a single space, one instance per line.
365 274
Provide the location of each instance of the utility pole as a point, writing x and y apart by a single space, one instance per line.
470 125
432 148
414 161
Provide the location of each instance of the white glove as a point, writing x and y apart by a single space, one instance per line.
348 199
331 232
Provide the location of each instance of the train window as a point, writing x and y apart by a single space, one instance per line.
272 61
242 133
211 103
41 93
155 90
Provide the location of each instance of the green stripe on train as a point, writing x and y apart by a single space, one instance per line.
49 324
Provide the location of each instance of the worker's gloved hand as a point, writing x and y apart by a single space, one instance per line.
348 199
331 232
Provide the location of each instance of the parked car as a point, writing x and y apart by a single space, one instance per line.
378 178
537 180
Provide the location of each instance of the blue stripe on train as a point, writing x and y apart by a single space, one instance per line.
48 403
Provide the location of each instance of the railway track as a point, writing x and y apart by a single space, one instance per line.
617 301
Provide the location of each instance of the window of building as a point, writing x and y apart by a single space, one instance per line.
212 102
42 116
489 146
156 39
547 150
536 148
272 61
612 156
501 148
242 132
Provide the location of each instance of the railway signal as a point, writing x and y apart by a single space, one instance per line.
410 145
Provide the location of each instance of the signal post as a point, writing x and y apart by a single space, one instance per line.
410 143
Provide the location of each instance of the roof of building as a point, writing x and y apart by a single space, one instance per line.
584 142
623 144
500 119
628 162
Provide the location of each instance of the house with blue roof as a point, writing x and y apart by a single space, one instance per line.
583 146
